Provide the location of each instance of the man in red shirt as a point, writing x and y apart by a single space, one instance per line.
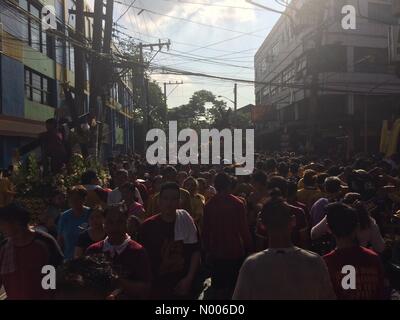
300 232
356 272
171 239
128 257
23 254
226 236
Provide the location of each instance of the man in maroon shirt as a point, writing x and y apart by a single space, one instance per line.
292 200
226 237
171 239
300 234
23 254
54 148
128 257
356 272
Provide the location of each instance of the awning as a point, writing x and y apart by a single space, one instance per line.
20 127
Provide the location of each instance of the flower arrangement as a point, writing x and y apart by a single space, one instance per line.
33 187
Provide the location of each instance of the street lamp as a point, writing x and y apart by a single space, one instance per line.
227 99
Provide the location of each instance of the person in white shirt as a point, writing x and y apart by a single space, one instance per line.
368 233
115 196
282 272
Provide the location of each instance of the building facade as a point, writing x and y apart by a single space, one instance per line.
311 72
33 66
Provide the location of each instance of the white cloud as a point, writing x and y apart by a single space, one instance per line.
218 16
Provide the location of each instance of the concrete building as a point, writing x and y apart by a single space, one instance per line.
310 70
33 66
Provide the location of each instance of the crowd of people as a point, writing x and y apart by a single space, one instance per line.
286 231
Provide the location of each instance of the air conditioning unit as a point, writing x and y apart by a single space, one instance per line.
394 44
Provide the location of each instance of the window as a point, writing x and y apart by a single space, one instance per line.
275 50
70 57
28 81
288 74
60 47
37 87
32 32
381 12
370 60
34 28
334 58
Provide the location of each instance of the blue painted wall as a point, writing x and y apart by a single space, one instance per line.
7 146
12 87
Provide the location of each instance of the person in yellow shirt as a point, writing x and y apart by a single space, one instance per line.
310 193
197 200
6 191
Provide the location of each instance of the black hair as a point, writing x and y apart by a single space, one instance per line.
283 169
363 215
131 188
222 182
51 121
342 219
121 207
321 178
234 182
260 165
291 189
309 178
332 184
88 272
88 176
334 171
275 214
260 177
294 167
15 213
79 190
169 186
169 170
278 182
270 165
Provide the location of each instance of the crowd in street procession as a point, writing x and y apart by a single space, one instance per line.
285 231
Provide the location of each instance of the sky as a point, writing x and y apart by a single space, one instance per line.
231 31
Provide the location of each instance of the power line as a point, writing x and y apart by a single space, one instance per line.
190 21
198 56
187 44
127 9
205 61
212 5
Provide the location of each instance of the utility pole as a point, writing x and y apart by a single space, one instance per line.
96 46
79 56
95 78
80 72
107 72
143 95
314 86
176 83
235 104
165 99
144 84
365 124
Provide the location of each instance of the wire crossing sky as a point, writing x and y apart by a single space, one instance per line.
218 37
